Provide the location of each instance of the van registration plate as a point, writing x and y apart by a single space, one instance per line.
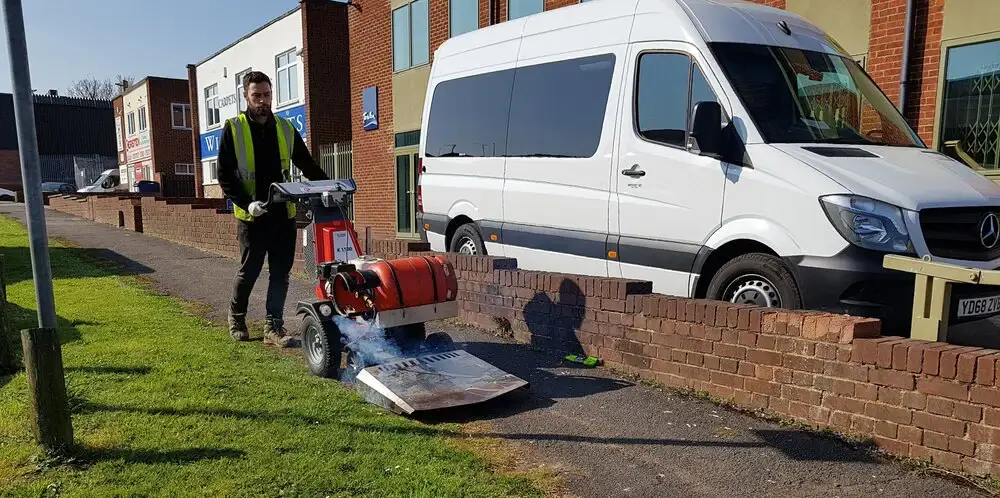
978 306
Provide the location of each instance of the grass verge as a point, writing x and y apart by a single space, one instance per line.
165 404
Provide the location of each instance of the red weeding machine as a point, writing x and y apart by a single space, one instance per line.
367 322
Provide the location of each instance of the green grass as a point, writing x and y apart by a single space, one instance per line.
166 404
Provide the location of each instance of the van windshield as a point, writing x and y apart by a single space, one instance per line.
800 96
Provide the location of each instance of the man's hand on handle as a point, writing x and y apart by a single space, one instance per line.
257 209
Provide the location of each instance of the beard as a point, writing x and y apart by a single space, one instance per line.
259 112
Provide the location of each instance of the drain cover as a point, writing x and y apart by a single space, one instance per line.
434 381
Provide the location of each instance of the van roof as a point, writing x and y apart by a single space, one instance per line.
694 21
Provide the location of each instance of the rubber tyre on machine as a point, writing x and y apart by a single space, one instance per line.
756 279
468 240
321 347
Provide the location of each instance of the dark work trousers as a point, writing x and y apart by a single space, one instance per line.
274 237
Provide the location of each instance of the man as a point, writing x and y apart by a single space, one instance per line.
254 153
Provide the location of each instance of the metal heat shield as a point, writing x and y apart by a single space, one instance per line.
434 381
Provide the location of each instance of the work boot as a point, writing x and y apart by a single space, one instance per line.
274 333
238 327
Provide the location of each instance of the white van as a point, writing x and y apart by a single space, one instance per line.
109 181
717 148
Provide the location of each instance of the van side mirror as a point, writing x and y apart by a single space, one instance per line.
706 129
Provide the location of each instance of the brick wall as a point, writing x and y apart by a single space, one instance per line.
74 205
169 146
771 3
326 54
195 126
119 211
199 225
10 167
925 62
371 65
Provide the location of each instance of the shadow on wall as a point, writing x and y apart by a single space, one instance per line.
554 324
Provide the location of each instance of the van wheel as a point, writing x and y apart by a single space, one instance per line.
756 279
467 240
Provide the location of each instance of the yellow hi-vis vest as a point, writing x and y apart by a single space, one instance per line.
239 127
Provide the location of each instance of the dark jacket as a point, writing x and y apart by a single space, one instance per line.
267 165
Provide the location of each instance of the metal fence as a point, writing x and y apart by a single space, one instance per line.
79 170
337 160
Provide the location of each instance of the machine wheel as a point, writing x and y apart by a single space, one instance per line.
438 342
467 240
408 337
756 279
321 347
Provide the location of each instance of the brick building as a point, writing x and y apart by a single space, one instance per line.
953 52
305 53
154 119
75 139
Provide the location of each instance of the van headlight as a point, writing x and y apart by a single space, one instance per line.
868 223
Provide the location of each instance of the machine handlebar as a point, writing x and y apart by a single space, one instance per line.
328 191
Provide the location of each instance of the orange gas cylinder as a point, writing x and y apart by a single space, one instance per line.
413 281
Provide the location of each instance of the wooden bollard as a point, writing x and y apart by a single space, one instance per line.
48 406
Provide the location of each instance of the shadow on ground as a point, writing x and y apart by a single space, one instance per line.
65 263
19 318
178 457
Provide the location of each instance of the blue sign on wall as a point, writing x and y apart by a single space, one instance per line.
369 108
210 141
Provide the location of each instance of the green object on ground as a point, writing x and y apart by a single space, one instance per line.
589 361
165 403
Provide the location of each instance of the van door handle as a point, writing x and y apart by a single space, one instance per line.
634 171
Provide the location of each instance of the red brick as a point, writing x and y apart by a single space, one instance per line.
967 363
984 395
947 389
939 424
893 378
986 369
888 413
949 361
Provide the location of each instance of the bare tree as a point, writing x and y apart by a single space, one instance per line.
93 88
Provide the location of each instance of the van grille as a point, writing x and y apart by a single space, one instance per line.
954 233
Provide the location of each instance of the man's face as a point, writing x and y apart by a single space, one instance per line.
258 97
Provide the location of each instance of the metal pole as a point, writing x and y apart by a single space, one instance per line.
24 115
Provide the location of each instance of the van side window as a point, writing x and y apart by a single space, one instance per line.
554 109
664 98
557 109
468 116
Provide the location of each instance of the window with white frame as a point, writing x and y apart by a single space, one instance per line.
286 67
184 169
241 103
210 171
410 36
180 115
211 112
130 124
143 124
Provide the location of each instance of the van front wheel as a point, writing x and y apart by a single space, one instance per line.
756 279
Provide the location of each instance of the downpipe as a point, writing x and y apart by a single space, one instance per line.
907 34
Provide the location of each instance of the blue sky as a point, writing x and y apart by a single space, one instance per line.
129 37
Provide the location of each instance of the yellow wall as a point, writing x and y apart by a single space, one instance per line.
408 90
847 21
965 18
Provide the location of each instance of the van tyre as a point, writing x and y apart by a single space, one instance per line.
756 279
468 240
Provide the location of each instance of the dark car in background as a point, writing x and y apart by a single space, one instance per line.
58 188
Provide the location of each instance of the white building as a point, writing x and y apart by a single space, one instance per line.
275 49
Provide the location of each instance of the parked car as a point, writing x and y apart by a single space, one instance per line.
7 195
58 187
718 149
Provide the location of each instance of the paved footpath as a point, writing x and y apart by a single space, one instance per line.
605 436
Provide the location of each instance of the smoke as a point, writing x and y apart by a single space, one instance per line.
368 343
